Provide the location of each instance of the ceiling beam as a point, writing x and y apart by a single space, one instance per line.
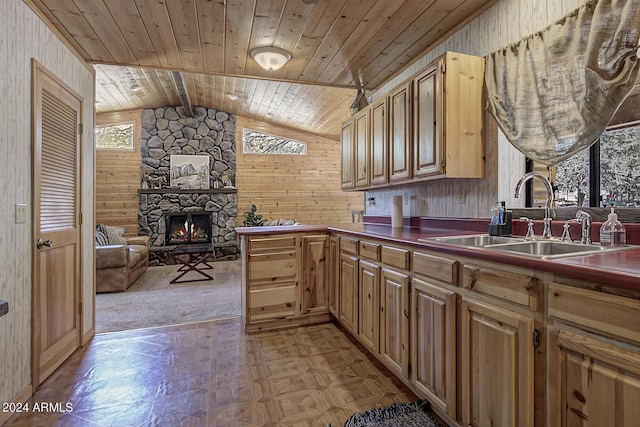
183 93
239 76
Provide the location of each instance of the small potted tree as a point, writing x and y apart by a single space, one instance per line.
251 219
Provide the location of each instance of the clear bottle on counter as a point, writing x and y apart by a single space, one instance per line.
612 232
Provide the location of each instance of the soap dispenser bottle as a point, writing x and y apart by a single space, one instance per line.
612 232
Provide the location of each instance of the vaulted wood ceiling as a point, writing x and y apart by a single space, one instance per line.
337 46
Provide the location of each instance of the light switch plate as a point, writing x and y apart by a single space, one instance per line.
21 213
462 196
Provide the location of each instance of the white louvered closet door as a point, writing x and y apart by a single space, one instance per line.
56 167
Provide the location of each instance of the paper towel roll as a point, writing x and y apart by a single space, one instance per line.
396 212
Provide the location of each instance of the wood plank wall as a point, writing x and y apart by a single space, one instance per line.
118 177
305 188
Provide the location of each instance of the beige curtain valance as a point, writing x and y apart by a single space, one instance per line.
554 92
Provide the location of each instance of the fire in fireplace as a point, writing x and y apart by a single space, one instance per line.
186 228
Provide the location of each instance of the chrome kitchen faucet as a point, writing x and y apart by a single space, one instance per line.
546 233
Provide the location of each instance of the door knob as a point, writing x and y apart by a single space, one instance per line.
40 243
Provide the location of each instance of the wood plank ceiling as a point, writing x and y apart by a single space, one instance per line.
337 46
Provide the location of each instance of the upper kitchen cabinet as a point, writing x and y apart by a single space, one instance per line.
379 142
347 160
400 133
448 118
431 126
428 159
362 145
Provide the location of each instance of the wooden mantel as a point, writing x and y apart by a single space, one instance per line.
186 190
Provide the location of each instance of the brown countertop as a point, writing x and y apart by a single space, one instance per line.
619 268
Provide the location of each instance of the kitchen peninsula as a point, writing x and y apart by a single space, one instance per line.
484 336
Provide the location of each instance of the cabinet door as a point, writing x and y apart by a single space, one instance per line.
379 143
349 292
369 307
314 274
394 321
334 277
361 135
427 156
462 130
347 160
400 139
497 366
433 344
598 381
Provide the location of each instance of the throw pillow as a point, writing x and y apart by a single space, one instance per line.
115 235
101 239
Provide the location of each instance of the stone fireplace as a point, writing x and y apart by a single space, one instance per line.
169 131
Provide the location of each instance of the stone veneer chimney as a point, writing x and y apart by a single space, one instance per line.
167 131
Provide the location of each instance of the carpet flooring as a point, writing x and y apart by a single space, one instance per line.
152 301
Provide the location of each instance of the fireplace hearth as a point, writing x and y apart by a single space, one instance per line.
188 228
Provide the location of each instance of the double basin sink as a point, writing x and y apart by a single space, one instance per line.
544 249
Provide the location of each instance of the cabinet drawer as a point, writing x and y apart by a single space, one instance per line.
271 268
436 267
396 257
262 244
272 303
349 245
514 287
612 315
370 250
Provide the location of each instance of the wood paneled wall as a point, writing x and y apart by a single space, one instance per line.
506 22
25 37
305 188
118 177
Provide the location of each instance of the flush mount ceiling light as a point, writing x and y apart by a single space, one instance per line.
135 87
269 57
233 96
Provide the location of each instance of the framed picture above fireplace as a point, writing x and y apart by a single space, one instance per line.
191 172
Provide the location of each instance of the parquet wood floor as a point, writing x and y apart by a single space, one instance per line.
211 374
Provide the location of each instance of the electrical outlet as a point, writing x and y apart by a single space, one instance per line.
21 213
462 196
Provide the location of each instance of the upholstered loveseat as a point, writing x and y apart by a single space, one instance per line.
118 266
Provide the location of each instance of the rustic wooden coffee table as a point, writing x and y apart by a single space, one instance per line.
197 255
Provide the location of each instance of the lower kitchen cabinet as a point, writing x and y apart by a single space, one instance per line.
488 344
433 344
349 292
272 278
497 366
394 321
594 347
597 382
334 277
314 274
369 307
286 280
